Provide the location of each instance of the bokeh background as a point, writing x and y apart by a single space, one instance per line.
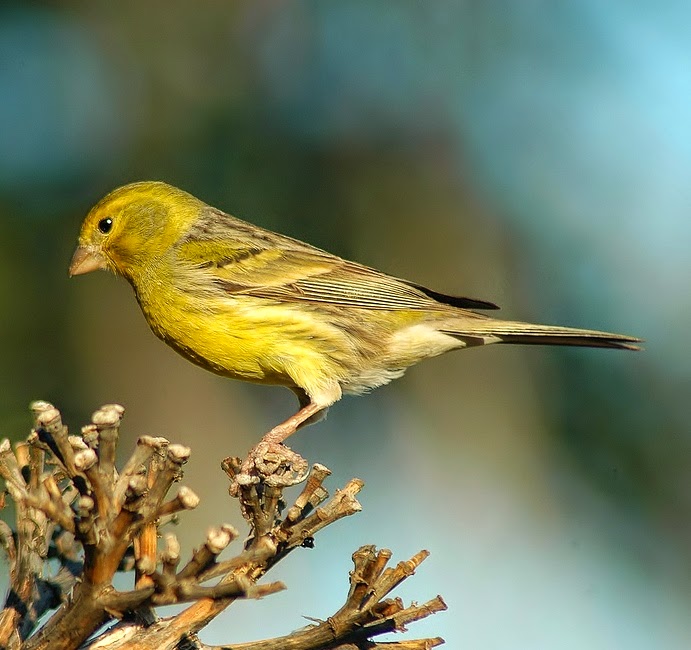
535 154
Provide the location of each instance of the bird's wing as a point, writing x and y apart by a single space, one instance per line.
243 259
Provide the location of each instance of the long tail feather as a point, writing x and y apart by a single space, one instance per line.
498 331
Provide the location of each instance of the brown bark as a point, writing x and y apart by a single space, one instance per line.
73 504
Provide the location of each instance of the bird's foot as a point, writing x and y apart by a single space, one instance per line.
272 463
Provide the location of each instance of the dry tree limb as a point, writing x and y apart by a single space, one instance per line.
78 512
29 595
364 615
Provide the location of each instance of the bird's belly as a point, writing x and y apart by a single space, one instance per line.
319 350
254 341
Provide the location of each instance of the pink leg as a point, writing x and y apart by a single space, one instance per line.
286 429
270 457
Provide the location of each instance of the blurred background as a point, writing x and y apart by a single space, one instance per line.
534 154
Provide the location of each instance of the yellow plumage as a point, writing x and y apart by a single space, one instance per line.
251 304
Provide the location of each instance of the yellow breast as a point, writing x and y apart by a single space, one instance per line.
252 339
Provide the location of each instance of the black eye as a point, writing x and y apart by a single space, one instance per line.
104 225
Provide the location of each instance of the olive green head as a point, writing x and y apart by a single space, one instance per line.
133 226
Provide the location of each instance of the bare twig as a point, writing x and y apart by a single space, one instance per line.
74 506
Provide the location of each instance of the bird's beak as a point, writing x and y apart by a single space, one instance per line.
85 260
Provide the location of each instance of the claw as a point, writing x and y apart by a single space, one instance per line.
273 464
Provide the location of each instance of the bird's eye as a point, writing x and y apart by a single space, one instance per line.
104 225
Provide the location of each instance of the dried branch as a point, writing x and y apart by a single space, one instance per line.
76 510
364 614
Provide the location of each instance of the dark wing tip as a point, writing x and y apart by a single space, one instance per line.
472 303
456 301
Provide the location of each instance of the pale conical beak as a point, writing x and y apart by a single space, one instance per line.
86 260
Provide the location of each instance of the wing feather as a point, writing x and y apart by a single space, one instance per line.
243 259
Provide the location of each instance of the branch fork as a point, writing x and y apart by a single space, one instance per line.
76 509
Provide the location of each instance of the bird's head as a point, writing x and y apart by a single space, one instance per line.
132 227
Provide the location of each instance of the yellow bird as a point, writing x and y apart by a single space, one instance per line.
251 304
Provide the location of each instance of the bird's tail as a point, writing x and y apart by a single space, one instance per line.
489 330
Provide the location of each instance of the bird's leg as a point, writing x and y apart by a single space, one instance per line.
273 463
286 429
269 457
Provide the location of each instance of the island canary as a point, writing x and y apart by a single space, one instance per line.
247 303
